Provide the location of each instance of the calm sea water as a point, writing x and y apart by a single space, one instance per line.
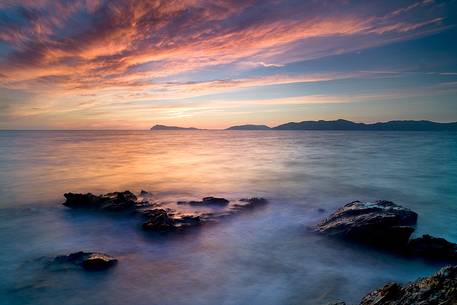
265 257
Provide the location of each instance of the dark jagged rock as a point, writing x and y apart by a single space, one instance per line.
115 201
88 260
187 221
159 220
208 201
434 248
381 223
438 289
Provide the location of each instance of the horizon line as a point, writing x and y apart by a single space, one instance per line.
221 129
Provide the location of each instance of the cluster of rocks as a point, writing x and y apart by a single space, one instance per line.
437 289
160 219
385 225
156 218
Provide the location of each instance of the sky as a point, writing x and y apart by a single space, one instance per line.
132 64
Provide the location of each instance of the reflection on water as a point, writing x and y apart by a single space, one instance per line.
263 257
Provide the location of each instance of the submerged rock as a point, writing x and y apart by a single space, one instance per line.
88 260
208 201
381 223
434 248
116 201
250 203
438 289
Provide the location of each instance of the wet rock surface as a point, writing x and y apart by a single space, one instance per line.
116 201
434 248
380 223
164 216
159 220
438 289
386 225
94 261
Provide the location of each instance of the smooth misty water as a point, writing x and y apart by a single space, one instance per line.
264 257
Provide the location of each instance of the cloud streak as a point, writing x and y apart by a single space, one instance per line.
144 50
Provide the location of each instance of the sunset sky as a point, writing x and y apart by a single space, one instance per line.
211 64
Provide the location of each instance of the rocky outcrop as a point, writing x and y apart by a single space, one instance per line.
381 223
387 225
434 248
163 216
438 289
116 201
93 261
208 201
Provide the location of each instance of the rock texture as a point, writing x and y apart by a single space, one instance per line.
116 201
93 261
381 223
438 289
434 248
159 220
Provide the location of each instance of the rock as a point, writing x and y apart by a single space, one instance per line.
251 203
434 248
116 201
438 289
381 223
158 220
187 221
207 201
144 193
94 261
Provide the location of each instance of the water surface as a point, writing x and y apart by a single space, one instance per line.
264 257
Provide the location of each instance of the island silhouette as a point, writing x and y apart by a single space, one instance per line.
341 124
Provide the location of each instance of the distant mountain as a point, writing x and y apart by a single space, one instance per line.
163 127
348 125
249 127
339 125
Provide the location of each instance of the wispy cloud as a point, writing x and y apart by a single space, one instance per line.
71 55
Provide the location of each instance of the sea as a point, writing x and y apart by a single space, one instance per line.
268 256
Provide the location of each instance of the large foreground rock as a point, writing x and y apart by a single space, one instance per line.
381 223
438 289
94 261
116 201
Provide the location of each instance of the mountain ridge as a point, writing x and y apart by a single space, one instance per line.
340 124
